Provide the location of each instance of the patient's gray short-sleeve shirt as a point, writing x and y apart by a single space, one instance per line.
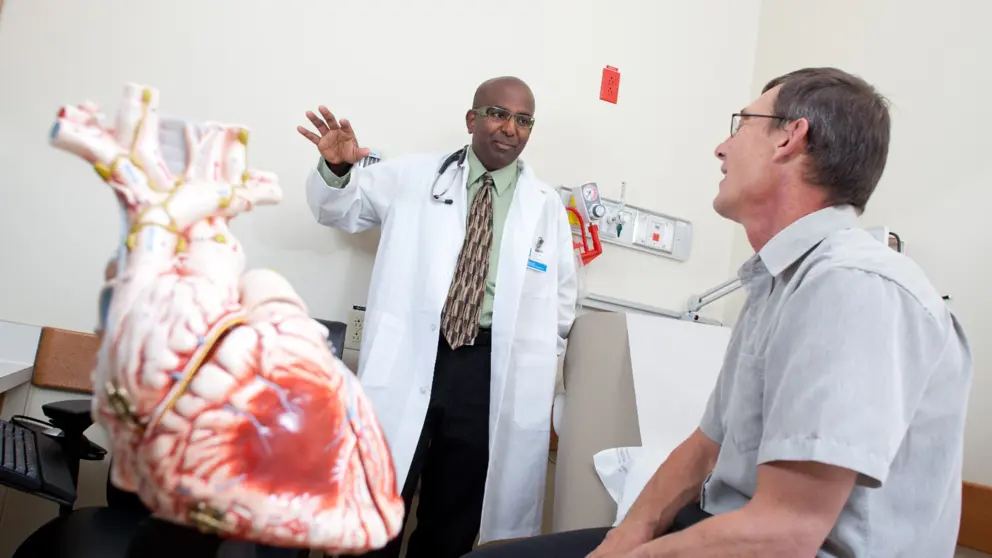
845 354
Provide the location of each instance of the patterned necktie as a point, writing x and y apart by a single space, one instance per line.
460 319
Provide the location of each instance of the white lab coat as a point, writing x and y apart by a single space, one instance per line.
532 314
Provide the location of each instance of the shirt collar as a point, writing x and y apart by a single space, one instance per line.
792 242
502 178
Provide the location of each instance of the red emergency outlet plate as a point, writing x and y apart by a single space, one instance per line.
610 88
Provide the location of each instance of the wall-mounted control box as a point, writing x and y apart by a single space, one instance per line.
637 228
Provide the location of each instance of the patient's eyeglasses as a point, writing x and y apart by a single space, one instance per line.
736 118
500 114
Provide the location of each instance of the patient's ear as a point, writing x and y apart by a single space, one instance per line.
792 140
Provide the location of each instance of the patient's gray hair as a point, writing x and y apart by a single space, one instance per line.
848 138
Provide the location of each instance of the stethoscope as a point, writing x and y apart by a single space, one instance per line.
456 157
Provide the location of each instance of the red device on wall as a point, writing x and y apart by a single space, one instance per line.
587 208
610 88
586 252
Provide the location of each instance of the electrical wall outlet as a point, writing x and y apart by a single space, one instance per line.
356 322
610 88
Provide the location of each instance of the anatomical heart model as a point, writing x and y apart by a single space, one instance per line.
227 410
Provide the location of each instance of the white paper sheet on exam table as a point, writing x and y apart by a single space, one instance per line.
675 365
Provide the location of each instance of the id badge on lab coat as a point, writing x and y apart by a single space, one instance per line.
536 261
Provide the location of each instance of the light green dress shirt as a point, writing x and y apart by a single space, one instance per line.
505 181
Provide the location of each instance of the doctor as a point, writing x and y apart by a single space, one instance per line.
472 295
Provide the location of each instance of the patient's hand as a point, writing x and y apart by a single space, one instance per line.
623 539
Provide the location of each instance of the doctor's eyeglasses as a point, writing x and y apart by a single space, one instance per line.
524 121
736 118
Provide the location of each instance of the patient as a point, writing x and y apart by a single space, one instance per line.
836 425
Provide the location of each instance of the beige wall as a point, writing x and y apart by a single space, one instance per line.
404 76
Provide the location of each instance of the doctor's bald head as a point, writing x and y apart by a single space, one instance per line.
501 120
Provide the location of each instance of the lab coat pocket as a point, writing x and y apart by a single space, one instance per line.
744 408
534 391
385 333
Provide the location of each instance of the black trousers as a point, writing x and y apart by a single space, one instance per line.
575 544
452 456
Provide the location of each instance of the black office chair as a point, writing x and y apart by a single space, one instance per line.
124 528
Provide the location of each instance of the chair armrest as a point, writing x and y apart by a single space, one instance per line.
72 415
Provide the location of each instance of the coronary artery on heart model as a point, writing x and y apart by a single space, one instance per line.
226 408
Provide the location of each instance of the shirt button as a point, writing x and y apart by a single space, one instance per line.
433 327
423 390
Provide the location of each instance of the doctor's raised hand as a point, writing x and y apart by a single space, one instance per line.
337 142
